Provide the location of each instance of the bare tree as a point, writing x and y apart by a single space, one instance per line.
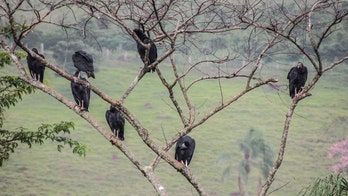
304 32
185 24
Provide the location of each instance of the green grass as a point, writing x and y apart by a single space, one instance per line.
319 121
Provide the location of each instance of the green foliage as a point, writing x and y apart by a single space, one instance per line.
8 31
334 185
5 59
11 90
11 87
9 140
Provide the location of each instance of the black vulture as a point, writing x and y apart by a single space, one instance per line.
297 77
84 62
116 122
81 93
185 146
36 68
142 50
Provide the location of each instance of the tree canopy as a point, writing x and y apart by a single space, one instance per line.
199 41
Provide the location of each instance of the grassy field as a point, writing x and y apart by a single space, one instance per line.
320 120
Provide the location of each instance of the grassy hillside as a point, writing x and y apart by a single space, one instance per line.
319 121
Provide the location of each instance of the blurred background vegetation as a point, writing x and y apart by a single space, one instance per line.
320 121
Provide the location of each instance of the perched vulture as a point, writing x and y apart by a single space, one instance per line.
185 146
81 93
36 68
152 54
116 122
297 77
83 62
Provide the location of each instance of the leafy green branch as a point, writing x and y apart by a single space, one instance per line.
10 140
12 89
5 59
